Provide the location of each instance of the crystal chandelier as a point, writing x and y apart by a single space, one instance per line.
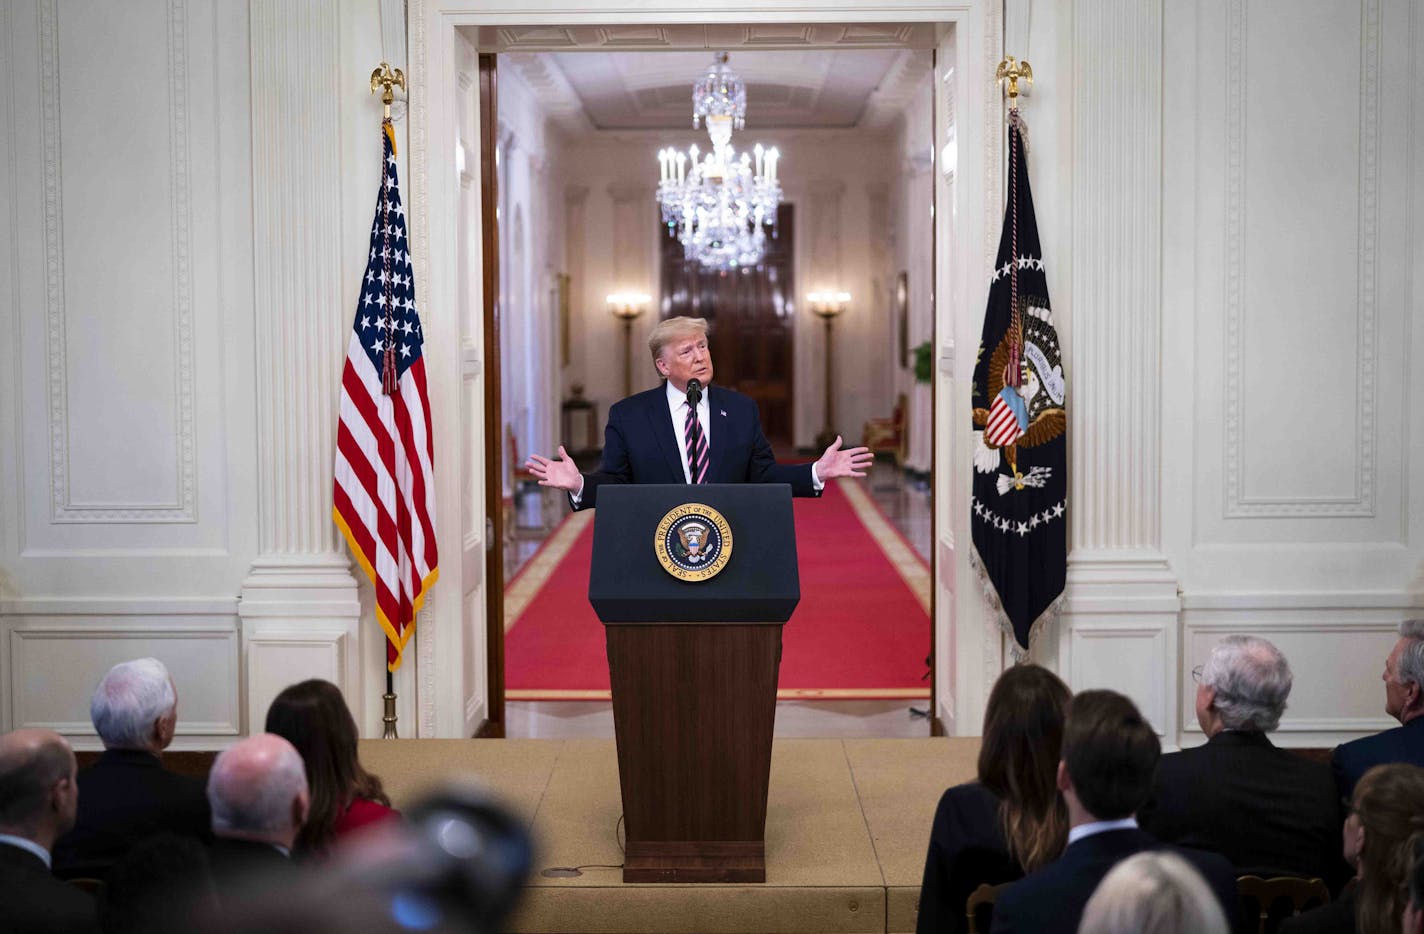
720 205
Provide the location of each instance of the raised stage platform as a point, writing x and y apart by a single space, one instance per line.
847 824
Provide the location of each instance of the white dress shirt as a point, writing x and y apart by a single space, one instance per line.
26 844
1100 826
677 405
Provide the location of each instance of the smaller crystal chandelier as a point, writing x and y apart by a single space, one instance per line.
720 205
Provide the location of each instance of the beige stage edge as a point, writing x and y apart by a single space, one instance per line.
846 829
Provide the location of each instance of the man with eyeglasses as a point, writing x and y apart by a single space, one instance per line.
1404 701
1265 809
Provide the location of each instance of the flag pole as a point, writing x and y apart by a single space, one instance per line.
385 78
389 719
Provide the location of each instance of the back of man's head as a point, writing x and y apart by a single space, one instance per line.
1411 660
258 791
1251 680
1110 753
32 764
128 703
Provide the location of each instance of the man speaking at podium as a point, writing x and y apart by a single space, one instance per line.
689 431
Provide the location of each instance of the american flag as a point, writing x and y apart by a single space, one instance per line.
385 490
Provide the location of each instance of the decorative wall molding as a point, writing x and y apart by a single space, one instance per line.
1361 504
64 509
44 636
276 658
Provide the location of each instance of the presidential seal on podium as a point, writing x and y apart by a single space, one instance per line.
693 542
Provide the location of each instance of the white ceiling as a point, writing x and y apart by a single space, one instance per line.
638 90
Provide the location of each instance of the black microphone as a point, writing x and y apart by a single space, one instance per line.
694 393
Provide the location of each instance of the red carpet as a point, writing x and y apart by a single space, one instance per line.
860 631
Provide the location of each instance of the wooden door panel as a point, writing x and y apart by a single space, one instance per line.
751 322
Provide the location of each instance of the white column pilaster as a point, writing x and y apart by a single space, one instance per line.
632 209
299 607
580 299
1119 629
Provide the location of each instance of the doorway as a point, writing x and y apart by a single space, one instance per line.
438 30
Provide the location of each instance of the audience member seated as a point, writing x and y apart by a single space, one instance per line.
128 795
258 793
1153 893
1413 922
1011 820
1386 813
1403 700
313 717
161 886
1269 811
38 795
1105 775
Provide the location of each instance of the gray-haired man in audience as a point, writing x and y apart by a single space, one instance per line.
259 796
1404 701
128 795
1261 807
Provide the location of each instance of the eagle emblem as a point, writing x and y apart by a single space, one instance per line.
1026 389
693 542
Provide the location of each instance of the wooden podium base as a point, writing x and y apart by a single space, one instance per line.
695 861
694 707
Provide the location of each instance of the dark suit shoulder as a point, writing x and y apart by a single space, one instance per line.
1337 917
639 401
1353 759
32 900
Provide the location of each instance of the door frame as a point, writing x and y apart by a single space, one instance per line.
967 656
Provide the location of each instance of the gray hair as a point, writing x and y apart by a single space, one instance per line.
129 700
1252 681
1157 892
1411 660
256 800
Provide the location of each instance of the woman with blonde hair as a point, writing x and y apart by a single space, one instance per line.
1386 812
1012 820
1156 892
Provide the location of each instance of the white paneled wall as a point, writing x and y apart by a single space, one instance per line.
1232 205
127 443
1292 307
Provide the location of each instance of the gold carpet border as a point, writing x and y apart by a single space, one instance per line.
521 593
909 565
783 694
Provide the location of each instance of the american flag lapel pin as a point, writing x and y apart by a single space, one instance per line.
723 412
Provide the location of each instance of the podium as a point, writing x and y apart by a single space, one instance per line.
693 665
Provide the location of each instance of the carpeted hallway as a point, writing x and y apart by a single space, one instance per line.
861 630
848 822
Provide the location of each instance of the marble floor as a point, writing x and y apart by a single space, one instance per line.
906 502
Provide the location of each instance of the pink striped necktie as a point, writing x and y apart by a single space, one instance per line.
696 447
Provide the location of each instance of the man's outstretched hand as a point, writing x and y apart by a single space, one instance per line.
561 474
843 462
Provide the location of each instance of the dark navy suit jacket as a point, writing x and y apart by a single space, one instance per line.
640 446
1353 759
1266 809
1051 901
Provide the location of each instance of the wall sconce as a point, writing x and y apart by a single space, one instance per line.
828 305
627 306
